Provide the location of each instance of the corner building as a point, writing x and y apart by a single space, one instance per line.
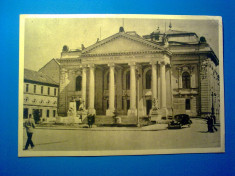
126 72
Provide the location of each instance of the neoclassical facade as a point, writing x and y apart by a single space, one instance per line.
133 75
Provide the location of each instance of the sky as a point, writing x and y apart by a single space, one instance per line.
44 38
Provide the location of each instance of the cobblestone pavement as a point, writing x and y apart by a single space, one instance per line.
125 138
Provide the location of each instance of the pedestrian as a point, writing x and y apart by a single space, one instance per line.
210 124
29 125
92 119
89 120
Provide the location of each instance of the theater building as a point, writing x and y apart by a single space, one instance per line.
40 96
172 72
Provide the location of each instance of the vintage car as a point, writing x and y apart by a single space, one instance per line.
179 121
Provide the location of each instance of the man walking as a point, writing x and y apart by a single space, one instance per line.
29 125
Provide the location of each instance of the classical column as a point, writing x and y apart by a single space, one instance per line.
84 87
154 81
92 89
163 85
132 111
111 109
140 101
163 88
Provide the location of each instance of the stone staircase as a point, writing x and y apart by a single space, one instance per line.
125 120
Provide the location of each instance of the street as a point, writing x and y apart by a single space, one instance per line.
129 139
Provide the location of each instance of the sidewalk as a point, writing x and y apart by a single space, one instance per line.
155 127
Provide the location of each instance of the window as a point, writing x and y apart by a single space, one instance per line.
186 80
48 91
41 89
128 80
148 79
54 91
187 104
34 88
79 83
26 113
48 113
54 112
27 87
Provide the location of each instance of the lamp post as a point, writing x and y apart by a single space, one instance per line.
212 107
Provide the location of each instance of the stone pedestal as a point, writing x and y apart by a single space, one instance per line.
132 112
110 112
155 115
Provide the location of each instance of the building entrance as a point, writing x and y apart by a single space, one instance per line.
148 106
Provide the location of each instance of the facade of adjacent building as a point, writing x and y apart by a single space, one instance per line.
172 73
40 96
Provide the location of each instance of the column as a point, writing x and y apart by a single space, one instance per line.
154 81
111 109
92 89
163 89
163 85
140 102
84 87
132 111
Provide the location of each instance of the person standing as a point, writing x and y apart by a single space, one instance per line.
29 125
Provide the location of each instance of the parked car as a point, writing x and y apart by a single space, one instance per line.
179 120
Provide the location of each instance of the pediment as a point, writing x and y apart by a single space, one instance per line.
121 43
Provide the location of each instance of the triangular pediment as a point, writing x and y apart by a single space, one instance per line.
119 43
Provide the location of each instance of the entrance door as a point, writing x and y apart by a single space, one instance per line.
26 113
77 105
148 106
36 115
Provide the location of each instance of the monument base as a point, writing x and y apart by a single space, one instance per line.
110 112
92 111
132 112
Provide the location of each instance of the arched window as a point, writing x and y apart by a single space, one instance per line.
148 79
128 80
79 83
186 80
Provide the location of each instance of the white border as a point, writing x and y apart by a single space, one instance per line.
22 153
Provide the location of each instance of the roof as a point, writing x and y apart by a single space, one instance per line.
55 60
38 77
130 35
176 32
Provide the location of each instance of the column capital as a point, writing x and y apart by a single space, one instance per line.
154 62
162 63
83 66
132 63
111 64
91 65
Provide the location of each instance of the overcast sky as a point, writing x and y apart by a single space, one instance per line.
45 37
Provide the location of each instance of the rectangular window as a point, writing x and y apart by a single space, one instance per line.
41 89
27 88
55 92
48 91
34 88
187 104
54 112
26 113
48 113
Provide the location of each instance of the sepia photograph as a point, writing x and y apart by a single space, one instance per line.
98 85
